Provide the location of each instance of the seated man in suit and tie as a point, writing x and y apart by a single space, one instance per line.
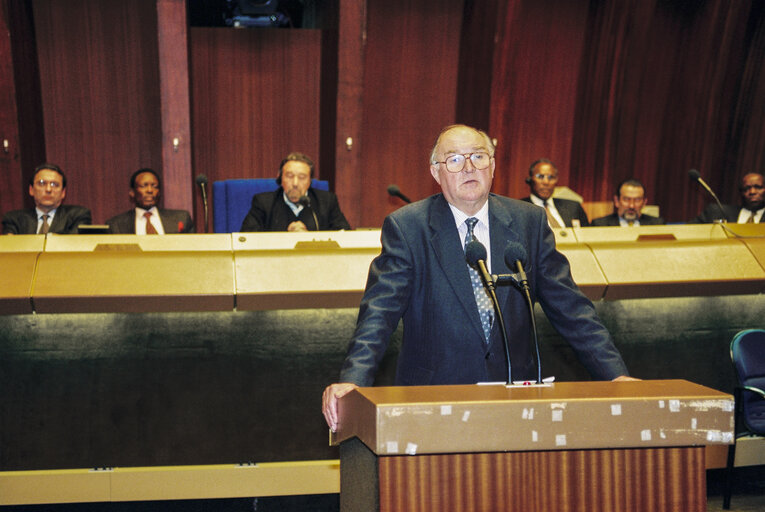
295 205
422 277
147 218
752 189
543 176
48 189
629 201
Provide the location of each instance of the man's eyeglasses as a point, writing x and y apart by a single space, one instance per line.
755 187
455 163
551 177
44 183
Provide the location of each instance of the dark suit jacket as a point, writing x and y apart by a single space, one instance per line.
421 276
569 210
712 213
173 221
270 213
66 220
613 220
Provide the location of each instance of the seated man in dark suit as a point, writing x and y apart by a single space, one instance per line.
295 205
752 207
629 202
146 218
543 176
450 335
48 189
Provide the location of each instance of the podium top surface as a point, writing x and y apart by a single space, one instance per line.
565 415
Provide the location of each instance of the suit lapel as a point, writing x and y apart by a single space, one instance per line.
448 250
501 232
167 222
59 221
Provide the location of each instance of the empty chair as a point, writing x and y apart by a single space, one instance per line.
747 351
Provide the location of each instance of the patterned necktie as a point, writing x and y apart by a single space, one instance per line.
149 226
44 227
550 219
750 220
482 299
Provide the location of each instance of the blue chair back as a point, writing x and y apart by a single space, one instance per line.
232 200
747 351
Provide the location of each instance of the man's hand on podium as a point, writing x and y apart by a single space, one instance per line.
624 378
329 401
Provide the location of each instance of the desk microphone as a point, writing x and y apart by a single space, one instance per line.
396 192
694 174
515 255
201 180
306 202
475 254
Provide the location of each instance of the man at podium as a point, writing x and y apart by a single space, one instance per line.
422 276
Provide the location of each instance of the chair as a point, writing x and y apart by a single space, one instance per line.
747 351
232 200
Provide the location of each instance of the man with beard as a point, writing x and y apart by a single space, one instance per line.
295 205
752 191
629 202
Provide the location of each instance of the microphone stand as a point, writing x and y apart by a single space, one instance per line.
524 284
204 202
489 282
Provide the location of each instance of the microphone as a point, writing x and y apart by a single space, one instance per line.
396 192
694 174
305 201
201 180
475 254
515 255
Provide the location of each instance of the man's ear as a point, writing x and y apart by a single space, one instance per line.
434 173
131 193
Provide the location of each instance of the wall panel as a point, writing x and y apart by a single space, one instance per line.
100 96
255 97
410 86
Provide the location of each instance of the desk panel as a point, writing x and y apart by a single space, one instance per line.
18 254
585 270
678 269
131 273
646 233
325 269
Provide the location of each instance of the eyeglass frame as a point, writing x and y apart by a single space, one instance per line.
466 156
53 184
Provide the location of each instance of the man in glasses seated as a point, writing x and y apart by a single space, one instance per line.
543 176
752 191
422 276
47 187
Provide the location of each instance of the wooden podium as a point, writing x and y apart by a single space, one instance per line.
569 446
